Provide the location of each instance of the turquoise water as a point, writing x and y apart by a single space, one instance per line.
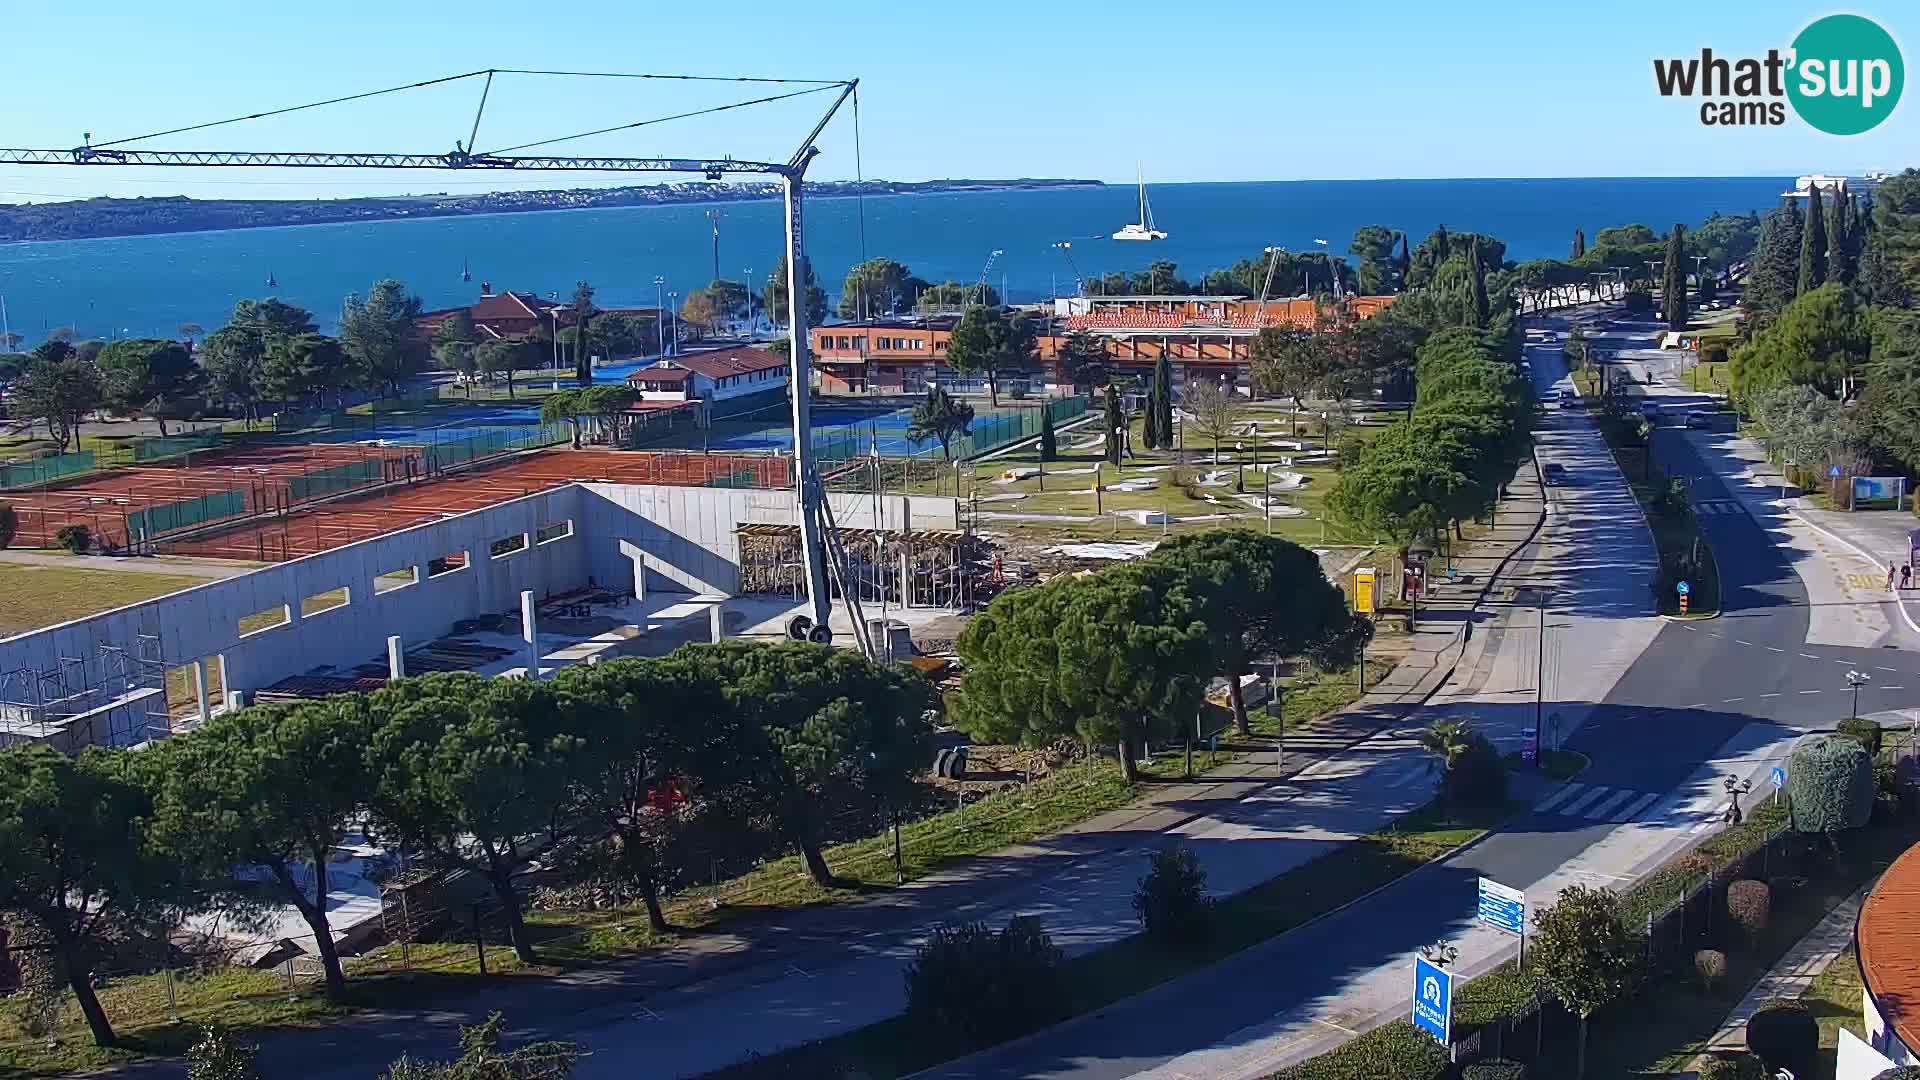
151 284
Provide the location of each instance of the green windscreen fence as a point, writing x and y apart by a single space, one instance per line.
45 470
174 516
156 448
989 432
318 483
441 456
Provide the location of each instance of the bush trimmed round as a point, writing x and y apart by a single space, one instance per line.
1494 1069
1785 1035
1830 783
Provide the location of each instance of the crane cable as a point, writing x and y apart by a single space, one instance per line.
291 109
660 120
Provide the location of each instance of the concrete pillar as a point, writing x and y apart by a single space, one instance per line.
202 692
530 630
717 620
906 582
632 551
226 682
396 658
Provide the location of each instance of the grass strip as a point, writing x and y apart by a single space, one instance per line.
898 1047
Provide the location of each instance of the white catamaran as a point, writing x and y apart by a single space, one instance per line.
1142 229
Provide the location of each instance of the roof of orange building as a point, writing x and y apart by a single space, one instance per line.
1888 936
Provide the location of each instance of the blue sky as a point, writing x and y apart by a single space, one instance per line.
1233 91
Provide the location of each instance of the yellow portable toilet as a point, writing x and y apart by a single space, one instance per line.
1363 579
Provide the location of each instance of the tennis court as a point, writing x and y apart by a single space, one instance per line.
426 429
842 432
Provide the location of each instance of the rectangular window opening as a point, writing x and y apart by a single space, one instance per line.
507 545
451 563
265 619
325 601
395 579
553 530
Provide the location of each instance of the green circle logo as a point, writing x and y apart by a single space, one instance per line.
1846 75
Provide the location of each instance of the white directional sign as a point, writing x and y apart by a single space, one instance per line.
1502 908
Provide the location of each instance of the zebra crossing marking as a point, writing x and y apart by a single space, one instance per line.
1719 506
1598 802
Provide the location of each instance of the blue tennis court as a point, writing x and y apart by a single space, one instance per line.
444 426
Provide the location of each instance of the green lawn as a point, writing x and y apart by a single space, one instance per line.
1710 378
35 596
899 1047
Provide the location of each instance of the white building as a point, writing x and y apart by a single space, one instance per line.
714 376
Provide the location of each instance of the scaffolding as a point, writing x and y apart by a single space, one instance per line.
114 696
898 568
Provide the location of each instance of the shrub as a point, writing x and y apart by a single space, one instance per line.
219 1056
1494 1069
75 538
1785 1035
1477 776
1732 1067
1712 966
975 986
1865 732
1903 1072
1171 900
1398 1050
1750 903
9 524
1830 783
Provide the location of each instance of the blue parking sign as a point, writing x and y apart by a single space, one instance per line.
1433 1000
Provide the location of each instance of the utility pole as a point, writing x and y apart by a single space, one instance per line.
1540 666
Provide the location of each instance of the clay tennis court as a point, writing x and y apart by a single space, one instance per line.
259 472
324 526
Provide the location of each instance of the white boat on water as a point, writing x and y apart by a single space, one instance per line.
1142 229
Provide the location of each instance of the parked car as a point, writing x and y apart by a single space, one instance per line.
1569 402
1699 418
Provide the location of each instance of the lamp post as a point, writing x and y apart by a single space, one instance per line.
673 316
1734 788
746 281
1857 679
660 313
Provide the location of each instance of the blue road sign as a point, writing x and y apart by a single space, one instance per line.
1683 587
1433 999
1833 471
1501 907
1778 776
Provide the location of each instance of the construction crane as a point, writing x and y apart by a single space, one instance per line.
810 492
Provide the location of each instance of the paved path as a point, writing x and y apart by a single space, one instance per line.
1794 974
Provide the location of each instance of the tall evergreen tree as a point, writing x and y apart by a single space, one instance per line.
1813 246
1163 403
1579 243
1478 282
1771 283
1843 251
1115 422
1150 418
1405 265
1673 283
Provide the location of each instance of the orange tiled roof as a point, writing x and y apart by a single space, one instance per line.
1888 936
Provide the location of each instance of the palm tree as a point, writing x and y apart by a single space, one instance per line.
1446 740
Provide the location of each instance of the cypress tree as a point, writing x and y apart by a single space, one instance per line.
1115 421
1162 403
1673 284
1405 265
1579 243
1813 245
1479 295
1150 418
1843 251
1049 448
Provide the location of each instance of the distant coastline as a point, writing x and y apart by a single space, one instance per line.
87 219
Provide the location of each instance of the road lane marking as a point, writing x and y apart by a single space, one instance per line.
1738 641
1730 700
1809 691
1573 808
1770 695
1809 656
1604 809
1558 797
1772 648
1636 808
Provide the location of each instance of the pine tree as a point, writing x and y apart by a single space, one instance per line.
1579 243
1673 284
1813 245
1771 282
1163 403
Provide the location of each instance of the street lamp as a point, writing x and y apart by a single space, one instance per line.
746 280
1439 954
1857 679
660 312
673 308
1734 788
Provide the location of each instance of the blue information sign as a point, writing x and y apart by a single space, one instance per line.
1779 777
1432 999
1683 587
1502 908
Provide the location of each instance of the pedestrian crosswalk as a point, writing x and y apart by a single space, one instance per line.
1597 802
1718 506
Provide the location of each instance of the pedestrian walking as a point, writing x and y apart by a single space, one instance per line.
1889 577
1906 575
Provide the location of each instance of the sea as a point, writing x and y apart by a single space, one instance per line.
1033 243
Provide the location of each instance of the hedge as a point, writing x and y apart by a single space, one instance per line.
1398 1051
1830 783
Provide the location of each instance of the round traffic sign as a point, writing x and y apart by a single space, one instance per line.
1683 588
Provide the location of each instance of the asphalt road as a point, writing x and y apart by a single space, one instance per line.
1696 687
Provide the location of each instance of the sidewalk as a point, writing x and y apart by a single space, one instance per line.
813 973
1794 974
